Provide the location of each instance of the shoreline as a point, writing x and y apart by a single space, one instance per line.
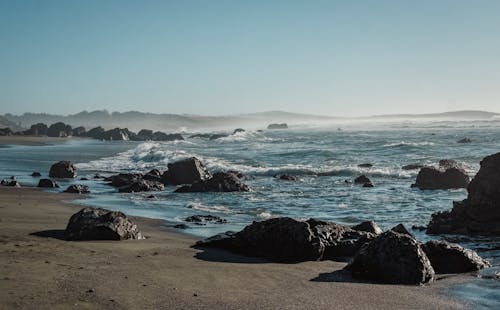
6 141
41 270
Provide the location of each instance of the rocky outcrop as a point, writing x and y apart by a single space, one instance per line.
48 183
219 182
161 136
392 258
141 185
144 135
95 133
480 212
101 224
447 257
116 134
6 132
59 130
288 240
186 171
39 129
400 228
63 169
79 132
450 163
204 219
11 183
77 189
432 178
277 126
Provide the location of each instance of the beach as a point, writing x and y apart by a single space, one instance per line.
40 270
30 140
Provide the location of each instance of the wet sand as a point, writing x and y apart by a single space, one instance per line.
30 140
40 270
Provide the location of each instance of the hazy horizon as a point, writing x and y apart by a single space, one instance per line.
334 58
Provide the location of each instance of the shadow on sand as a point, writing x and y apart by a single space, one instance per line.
217 255
51 233
337 276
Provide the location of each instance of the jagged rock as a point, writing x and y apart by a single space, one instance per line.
277 126
11 183
400 228
219 182
48 183
450 163
141 185
432 178
124 179
116 134
95 133
363 179
186 171
392 258
288 240
101 224
153 175
77 189
203 219
412 167
79 132
59 129
368 226
447 257
63 169
480 212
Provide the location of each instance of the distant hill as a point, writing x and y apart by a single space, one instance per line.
174 122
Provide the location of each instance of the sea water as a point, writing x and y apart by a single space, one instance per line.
325 159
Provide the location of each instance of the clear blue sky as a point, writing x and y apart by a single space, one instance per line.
222 57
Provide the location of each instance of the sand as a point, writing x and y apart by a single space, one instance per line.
30 140
40 270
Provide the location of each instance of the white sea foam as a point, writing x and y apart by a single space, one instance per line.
202 207
404 143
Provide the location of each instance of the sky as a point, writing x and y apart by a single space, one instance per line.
340 58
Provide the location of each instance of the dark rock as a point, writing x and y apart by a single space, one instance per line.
153 175
447 257
288 240
151 197
59 129
39 129
412 167
365 165
238 130
392 258
141 185
96 133
368 184
480 212
48 183
84 179
277 126
160 136
203 219
6 132
450 163
11 183
417 227
432 178
144 135
79 132
217 136
219 182
123 179
400 228
286 177
181 226
101 224
63 169
238 174
368 226
36 174
98 176
362 180
464 140
77 189
186 171
116 134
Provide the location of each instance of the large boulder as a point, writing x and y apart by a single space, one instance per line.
48 183
480 212
101 224
362 179
392 258
62 169
77 189
141 185
432 178
116 134
288 240
161 136
39 129
95 133
186 171
144 135
124 179
59 129
447 257
79 132
219 182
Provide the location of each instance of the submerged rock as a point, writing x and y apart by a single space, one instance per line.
219 182
447 257
286 177
362 179
36 174
186 171
141 185
480 212
48 183
203 219
392 258
101 224
432 178
367 165
63 169
77 189
412 167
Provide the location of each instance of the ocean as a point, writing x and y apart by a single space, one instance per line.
322 157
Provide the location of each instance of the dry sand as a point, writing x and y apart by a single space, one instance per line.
30 140
40 270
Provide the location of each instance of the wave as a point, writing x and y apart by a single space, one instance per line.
404 143
201 207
